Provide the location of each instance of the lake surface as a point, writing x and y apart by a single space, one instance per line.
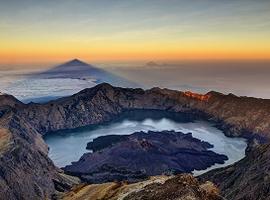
68 146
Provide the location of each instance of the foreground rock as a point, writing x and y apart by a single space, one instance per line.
184 187
246 179
139 155
26 172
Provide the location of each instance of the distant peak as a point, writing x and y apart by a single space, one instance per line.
152 64
75 62
104 86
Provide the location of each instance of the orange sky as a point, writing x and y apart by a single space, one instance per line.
57 31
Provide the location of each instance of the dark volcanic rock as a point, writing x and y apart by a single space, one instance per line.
103 142
26 172
8 103
143 154
247 179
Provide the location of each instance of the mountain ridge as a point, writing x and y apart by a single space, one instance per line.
236 116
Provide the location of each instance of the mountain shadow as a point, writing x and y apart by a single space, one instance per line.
76 69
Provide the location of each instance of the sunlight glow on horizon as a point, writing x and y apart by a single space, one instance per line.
38 31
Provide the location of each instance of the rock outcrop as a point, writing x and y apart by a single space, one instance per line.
184 187
246 179
140 155
26 172
23 162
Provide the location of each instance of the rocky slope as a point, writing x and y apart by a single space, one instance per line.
8 103
246 179
140 155
22 146
26 172
184 187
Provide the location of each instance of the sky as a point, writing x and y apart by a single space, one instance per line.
99 30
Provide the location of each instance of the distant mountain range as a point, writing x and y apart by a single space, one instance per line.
77 69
